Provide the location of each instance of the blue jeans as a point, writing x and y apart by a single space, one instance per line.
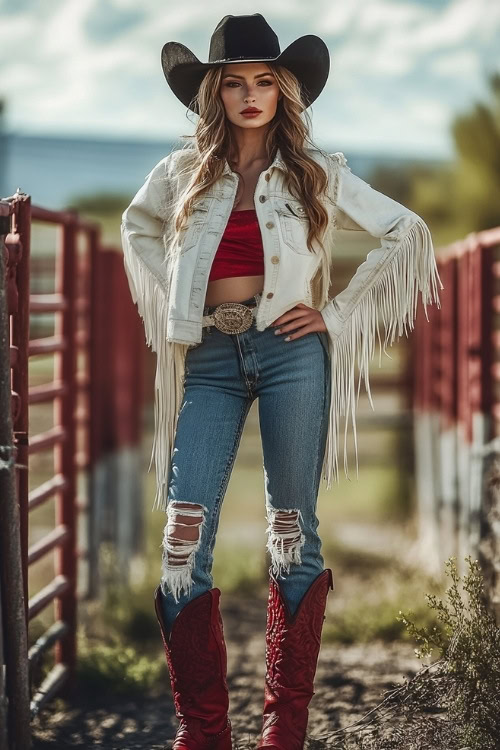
224 374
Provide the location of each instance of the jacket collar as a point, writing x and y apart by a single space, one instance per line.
277 162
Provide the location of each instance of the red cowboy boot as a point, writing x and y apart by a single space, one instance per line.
197 662
292 649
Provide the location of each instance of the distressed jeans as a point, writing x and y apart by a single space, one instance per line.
224 374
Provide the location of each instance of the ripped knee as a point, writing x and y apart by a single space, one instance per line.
181 539
285 538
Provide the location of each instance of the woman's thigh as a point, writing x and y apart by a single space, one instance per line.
209 428
210 422
294 401
208 434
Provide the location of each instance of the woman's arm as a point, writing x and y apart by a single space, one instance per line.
392 274
385 286
144 256
143 228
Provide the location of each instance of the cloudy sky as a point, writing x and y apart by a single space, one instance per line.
400 69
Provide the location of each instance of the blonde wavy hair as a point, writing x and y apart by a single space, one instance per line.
289 131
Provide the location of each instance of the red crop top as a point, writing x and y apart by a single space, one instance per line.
240 252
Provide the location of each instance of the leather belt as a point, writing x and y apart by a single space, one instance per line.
231 317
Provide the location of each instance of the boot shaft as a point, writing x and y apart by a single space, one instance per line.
293 642
196 656
292 650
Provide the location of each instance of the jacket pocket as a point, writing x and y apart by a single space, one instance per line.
196 221
294 224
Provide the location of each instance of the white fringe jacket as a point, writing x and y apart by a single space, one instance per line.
168 277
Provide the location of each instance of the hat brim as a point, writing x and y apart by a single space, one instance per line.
307 58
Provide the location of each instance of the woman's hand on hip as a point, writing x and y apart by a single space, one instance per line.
301 319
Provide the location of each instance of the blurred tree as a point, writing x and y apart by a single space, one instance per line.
461 196
393 181
104 208
477 139
99 204
465 196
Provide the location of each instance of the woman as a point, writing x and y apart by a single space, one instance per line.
227 250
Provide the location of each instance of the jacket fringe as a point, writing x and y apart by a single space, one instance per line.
393 296
151 298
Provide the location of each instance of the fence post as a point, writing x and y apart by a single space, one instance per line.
64 456
11 570
486 518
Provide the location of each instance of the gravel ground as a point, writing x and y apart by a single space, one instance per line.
350 680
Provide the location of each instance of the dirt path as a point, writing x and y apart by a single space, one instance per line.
350 680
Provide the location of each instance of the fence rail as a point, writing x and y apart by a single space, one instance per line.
457 409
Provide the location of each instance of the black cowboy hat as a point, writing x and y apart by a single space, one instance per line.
246 38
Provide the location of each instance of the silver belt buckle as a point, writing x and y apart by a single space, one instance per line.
232 317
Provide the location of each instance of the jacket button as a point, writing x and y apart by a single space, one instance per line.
270 224
269 295
275 259
262 198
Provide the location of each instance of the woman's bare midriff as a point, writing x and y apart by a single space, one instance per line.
233 289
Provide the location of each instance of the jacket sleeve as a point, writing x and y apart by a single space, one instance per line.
385 286
144 232
144 257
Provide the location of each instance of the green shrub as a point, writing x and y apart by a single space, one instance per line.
452 702
469 661
115 668
379 585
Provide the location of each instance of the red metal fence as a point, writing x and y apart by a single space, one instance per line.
457 407
95 392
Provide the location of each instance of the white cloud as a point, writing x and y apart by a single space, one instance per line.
428 112
455 64
392 38
371 123
384 15
385 54
64 33
461 22
356 61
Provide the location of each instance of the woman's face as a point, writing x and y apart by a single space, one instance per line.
249 85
